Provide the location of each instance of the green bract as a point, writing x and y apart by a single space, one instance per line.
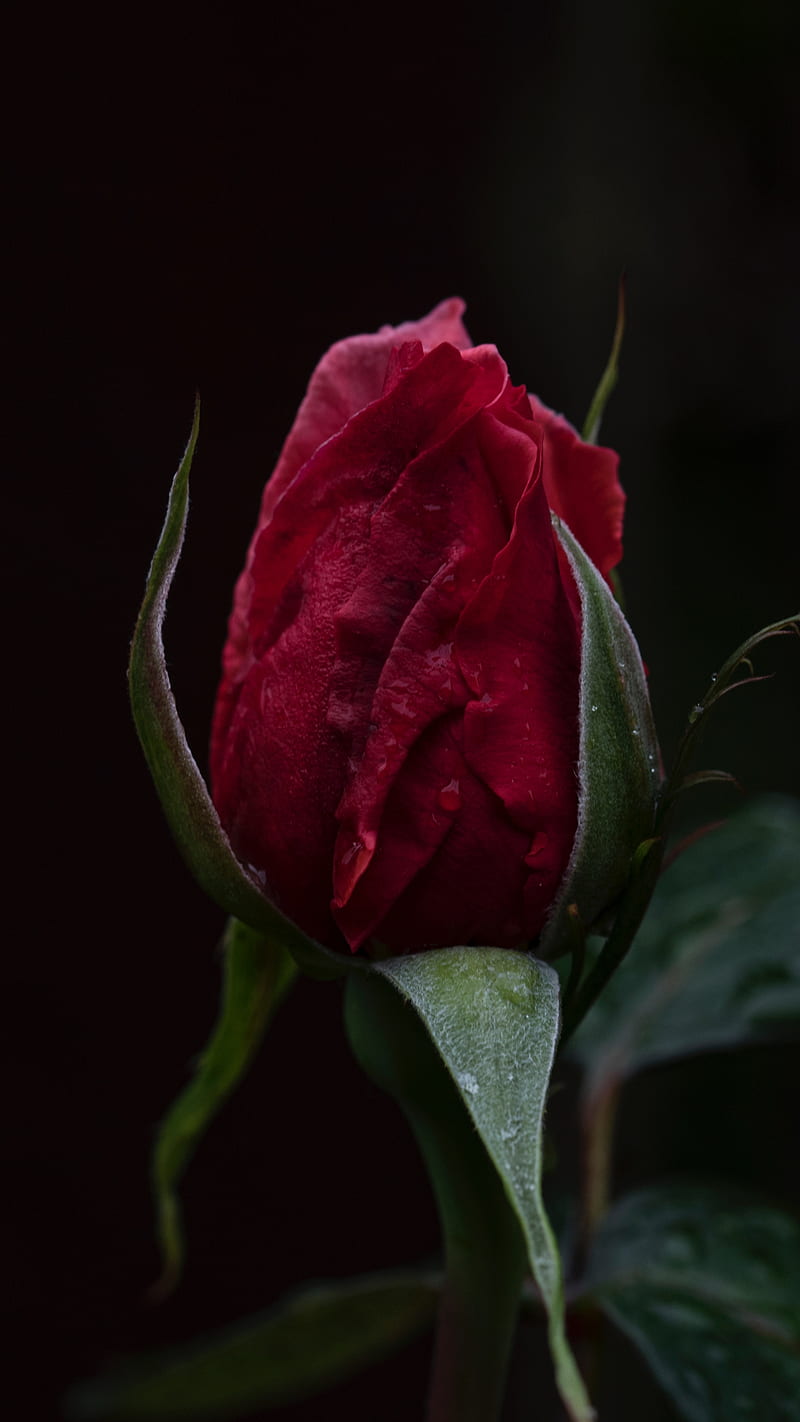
183 793
619 765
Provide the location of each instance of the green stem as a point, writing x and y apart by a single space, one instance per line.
484 1267
630 913
598 1118
484 1249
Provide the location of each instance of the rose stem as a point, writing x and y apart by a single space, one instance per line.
484 1250
484 1267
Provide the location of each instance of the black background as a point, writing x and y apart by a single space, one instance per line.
208 201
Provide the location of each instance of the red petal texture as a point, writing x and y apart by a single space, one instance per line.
582 487
395 739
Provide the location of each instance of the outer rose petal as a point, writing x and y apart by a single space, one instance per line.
280 751
468 886
445 513
518 647
349 377
426 791
582 487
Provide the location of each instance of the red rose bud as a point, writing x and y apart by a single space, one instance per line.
397 748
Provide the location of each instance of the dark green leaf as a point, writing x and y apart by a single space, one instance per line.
258 972
707 1285
618 768
312 1340
493 1016
181 789
716 962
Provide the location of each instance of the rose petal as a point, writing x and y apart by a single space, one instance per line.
582 487
517 644
472 888
350 376
439 529
280 751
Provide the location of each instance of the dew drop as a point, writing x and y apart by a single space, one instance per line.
468 1083
507 1133
594 708
350 854
450 796
354 857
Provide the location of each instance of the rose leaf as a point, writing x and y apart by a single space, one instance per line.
310 1341
716 962
706 1284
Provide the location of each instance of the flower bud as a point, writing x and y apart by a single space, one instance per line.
421 672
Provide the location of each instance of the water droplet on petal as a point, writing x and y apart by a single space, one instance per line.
354 857
350 854
450 796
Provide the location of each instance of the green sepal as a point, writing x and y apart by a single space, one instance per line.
619 762
181 788
608 380
258 971
310 1341
716 962
706 1283
493 1017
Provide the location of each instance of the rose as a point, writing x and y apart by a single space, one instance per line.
395 741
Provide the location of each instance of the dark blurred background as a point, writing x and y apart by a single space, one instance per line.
208 200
